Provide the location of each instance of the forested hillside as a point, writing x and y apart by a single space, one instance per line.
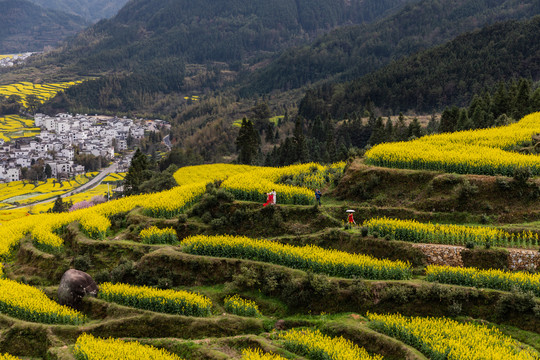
446 75
350 52
91 10
28 27
151 40
228 30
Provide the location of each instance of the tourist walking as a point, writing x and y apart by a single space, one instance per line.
318 196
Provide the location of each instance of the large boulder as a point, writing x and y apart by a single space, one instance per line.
75 285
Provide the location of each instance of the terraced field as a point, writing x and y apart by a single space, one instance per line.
42 92
24 192
16 126
204 271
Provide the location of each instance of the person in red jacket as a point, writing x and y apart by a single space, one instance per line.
270 198
351 219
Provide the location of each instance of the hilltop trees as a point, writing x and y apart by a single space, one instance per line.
247 143
138 172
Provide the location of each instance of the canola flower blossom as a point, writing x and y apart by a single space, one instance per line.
94 221
257 354
242 307
31 304
442 338
192 185
155 235
491 279
24 192
315 345
485 151
165 301
209 173
308 258
16 126
7 356
95 225
89 347
254 185
414 231
42 92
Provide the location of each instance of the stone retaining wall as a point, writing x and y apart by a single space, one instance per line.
518 259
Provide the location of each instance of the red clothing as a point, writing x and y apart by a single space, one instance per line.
269 200
351 220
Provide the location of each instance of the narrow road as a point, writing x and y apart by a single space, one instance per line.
96 180
167 141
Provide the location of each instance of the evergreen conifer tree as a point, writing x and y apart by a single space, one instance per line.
247 143
138 173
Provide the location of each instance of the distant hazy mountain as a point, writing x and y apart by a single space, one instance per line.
28 27
91 10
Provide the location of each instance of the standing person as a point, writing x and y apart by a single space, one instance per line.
274 197
351 219
269 198
318 196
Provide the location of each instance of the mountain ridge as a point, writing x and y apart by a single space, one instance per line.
49 28
350 52
91 10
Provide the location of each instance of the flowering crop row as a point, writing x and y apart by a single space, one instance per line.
254 185
94 220
467 152
491 279
209 173
16 126
95 225
256 354
43 92
242 307
413 231
166 301
315 345
7 356
31 304
25 192
114 177
164 204
89 347
441 338
309 258
155 235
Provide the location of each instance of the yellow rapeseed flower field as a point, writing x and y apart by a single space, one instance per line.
308 258
166 301
7 356
240 306
442 338
486 151
16 126
89 347
414 231
315 345
25 192
31 304
163 204
42 92
491 278
256 354
155 235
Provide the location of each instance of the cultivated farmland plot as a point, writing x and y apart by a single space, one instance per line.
205 271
